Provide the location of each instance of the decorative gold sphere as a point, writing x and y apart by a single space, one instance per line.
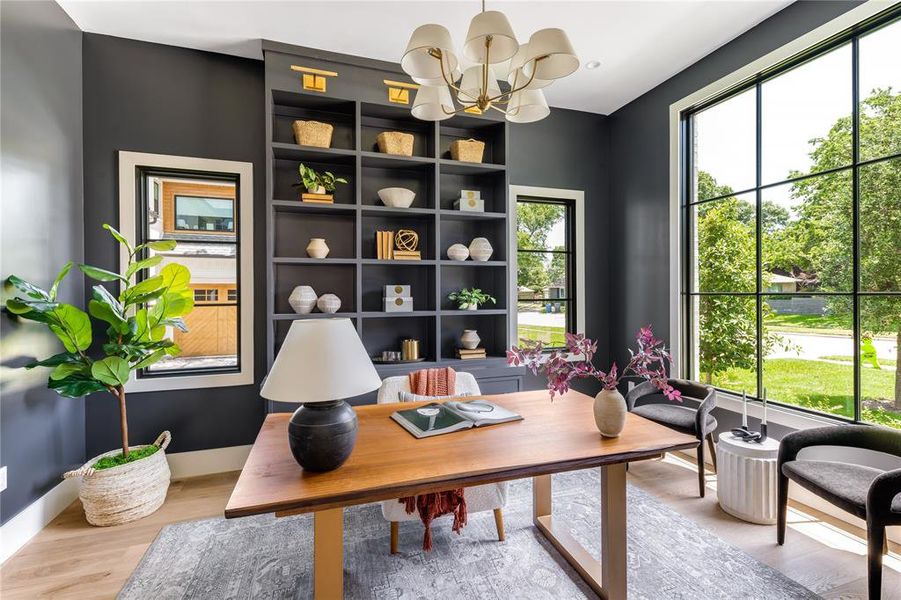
406 239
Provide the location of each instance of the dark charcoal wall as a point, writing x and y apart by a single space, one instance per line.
639 217
570 149
151 98
41 434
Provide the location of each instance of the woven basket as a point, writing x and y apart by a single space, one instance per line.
125 493
467 150
395 142
313 133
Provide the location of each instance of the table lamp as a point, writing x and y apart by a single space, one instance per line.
321 363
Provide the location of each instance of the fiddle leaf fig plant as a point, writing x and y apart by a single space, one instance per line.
312 179
470 297
136 321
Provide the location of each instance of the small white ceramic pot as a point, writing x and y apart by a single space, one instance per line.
328 303
303 299
470 306
480 249
458 252
317 248
610 412
316 190
470 339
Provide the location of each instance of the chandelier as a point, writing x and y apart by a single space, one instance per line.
431 62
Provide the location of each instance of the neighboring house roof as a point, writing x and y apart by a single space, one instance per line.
776 278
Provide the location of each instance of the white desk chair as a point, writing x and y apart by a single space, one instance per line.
479 498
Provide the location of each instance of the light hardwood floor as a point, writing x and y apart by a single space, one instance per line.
71 559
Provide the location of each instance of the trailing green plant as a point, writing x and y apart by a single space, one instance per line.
470 296
312 179
136 320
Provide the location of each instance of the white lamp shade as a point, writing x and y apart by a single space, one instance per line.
422 66
321 360
471 84
433 103
559 57
517 78
527 106
503 43
452 74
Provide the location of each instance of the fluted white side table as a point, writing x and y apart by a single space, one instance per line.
746 478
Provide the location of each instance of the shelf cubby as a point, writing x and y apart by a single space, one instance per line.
421 223
288 107
323 277
492 329
463 127
285 175
420 278
491 184
293 232
491 280
376 118
456 231
380 334
420 179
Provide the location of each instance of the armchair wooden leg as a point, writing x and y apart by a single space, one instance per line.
875 543
499 523
701 480
781 506
712 445
395 526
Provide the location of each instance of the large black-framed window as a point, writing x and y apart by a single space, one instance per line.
546 262
791 227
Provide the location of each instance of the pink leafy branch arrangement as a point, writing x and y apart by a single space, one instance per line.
650 362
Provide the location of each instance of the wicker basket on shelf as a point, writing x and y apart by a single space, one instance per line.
467 150
395 142
313 133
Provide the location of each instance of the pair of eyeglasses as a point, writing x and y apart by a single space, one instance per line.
745 435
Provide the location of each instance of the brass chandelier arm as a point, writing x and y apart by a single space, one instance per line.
517 89
437 54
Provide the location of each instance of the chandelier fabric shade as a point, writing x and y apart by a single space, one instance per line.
433 103
491 24
551 55
448 89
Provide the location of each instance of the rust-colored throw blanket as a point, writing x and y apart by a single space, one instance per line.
435 382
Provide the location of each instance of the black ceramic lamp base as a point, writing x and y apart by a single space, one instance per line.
322 434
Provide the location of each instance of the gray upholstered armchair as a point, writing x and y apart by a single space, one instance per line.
869 492
693 421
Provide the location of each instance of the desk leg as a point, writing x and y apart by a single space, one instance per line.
328 554
613 530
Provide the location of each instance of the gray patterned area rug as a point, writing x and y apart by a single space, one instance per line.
267 558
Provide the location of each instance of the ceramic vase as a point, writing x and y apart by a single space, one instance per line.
470 306
328 303
480 249
609 412
317 248
303 299
458 252
316 190
470 339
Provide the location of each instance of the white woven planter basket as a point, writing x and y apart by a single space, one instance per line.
127 492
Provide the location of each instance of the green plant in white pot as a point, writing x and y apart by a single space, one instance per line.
470 298
127 484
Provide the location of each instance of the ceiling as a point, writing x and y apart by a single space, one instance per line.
639 44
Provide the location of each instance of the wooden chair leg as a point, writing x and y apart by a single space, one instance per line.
701 480
499 523
395 526
712 446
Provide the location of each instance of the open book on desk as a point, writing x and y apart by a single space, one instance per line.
437 419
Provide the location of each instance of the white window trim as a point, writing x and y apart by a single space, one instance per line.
781 415
128 162
578 198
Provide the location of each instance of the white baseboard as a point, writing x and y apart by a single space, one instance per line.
16 532
29 522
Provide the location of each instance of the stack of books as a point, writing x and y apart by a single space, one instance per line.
407 255
384 245
475 353
317 198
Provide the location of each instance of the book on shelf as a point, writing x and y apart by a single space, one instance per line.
384 241
323 198
437 418
465 354
407 255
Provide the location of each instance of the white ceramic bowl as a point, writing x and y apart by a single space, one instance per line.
397 197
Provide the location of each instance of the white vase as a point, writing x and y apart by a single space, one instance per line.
470 306
609 412
317 248
470 339
328 303
480 249
303 299
316 190
458 252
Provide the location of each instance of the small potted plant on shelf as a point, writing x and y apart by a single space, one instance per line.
470 298
561 367
317 183
121 485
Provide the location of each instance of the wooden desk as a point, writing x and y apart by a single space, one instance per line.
387 462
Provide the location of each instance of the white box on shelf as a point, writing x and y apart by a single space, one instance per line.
397 291
398 304
470 205
470 194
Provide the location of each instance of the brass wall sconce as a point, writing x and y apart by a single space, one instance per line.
314 80
399 92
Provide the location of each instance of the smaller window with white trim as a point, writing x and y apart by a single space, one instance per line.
545 279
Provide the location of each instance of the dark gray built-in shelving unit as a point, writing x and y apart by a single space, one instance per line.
351 270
